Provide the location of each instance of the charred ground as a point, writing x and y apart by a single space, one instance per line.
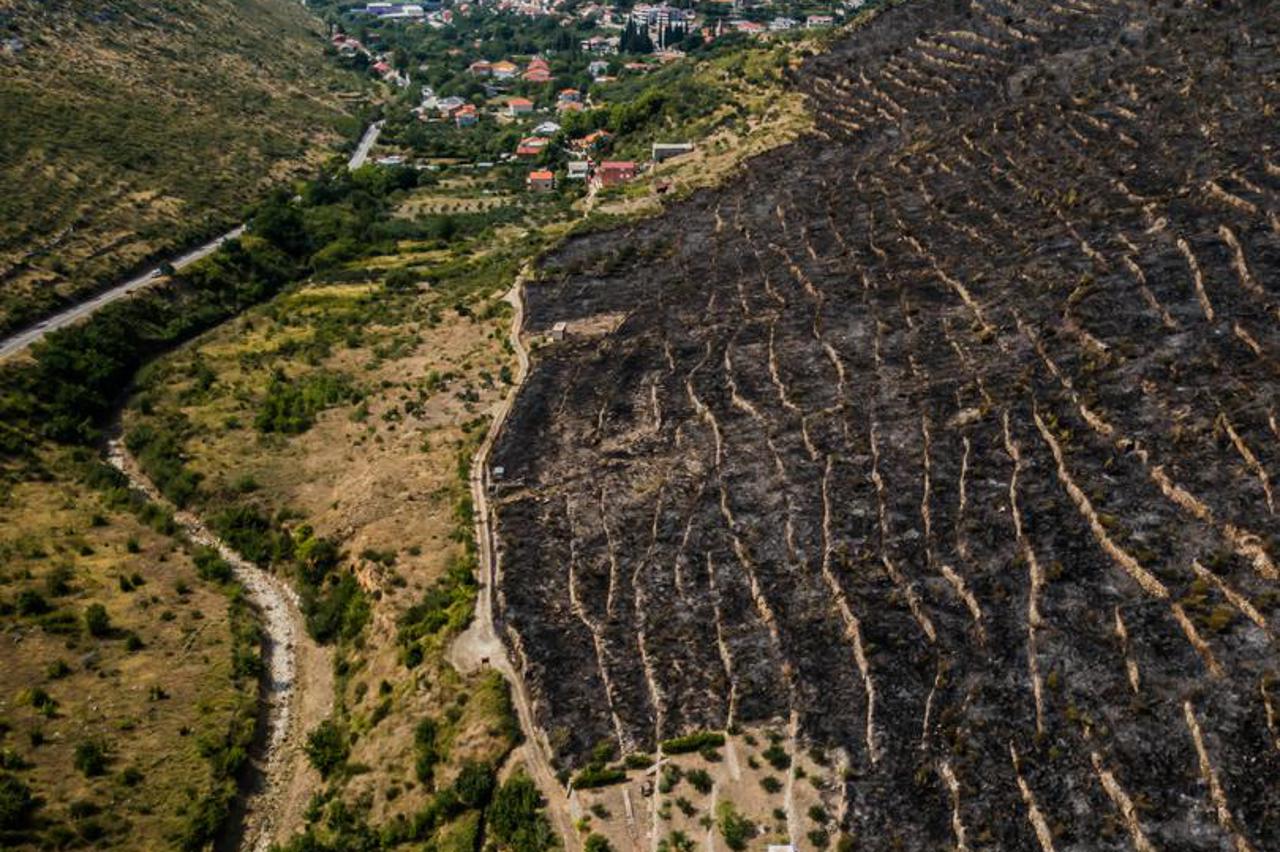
948 433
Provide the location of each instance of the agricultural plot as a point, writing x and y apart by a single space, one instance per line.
945 438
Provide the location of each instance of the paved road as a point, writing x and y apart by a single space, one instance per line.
22 339
366 145
19 341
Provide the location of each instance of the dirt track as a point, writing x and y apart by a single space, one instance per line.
951 430
479 644
297 687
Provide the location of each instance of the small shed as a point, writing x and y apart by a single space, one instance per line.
667 150
558 330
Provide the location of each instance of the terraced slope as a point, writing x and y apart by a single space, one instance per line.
130 128
949 432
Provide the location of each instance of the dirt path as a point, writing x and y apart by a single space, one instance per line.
298 687
479 644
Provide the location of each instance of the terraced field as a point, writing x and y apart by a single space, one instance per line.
947 436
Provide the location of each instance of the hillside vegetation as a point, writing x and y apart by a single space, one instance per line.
133 127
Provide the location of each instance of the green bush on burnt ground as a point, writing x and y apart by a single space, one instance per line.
697 741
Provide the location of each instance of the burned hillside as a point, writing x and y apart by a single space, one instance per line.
948 436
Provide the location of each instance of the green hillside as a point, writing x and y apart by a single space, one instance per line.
130 127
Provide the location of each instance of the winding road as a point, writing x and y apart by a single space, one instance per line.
19 341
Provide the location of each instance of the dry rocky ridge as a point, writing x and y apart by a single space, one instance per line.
950 432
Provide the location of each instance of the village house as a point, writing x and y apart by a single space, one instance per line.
541 181
448 106
597 68
747 27
570 95
579 169
503 70
519 106
531 147
615 172
466 115
782 24
594 141
480 68
569 106
600 45
814 22
538 71
546 128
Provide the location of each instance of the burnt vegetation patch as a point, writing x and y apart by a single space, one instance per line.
948 434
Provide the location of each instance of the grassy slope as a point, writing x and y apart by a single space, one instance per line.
381 475
157 708
143 124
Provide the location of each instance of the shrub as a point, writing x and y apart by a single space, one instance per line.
700 779
735 828
31 602
96 620
771 784
426 756
676 841
696 741
58 581
211 567
291 405
597 843
91 757
474 785
819 814
598 776
819 838
16 803
327 747
777 756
